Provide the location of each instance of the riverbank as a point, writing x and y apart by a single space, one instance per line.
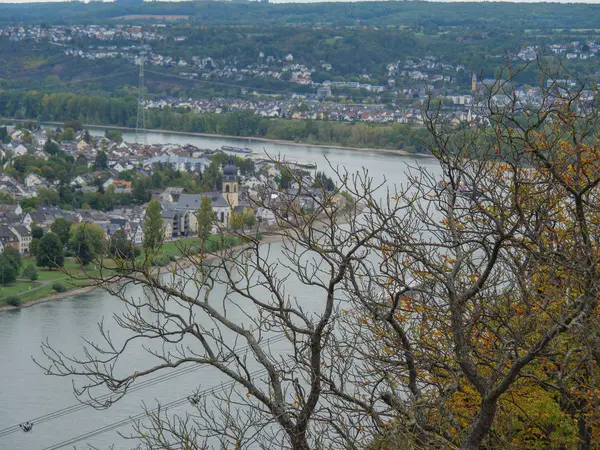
181 263
238 138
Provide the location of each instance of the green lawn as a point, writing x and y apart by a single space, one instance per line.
29 291
17 287
173 248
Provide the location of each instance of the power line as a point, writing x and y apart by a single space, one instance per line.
141 385
85 80
121 423
65 83
218 83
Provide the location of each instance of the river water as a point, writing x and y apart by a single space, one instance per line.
26 393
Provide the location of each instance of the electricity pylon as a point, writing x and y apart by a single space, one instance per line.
140 125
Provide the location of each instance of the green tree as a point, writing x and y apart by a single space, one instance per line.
285 177
125 175
75 125
68 135
6 199
50 252
47 197
62 228
33 246
30 272
249 218
153 228
13 256
121 246
114 135
37 232
141 193
101 161
322 181
236 221
206 218
8 272
51 147
28 204
86 241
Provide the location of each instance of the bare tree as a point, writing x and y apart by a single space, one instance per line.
441 303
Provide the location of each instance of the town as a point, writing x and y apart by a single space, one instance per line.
387 93
71 176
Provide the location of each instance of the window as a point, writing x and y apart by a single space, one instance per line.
226 188
235 188
222 216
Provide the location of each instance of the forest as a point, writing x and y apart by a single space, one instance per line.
423 14
100 110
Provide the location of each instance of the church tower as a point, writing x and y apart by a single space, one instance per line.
230 184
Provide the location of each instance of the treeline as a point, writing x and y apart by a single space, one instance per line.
122 112
425 14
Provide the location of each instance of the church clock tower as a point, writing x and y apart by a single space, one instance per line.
230 184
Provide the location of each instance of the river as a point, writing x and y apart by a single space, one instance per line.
26 393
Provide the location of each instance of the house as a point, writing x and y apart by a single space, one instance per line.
16 135
8 238
137 234
174 192
108 183
11 209
121 184
178 222
33 179
118 167
85 179
23 236
168 228
20 150
82 146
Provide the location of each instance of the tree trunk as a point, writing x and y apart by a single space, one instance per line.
299 441
481 426
585 440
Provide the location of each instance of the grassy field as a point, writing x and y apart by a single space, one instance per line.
29 291
17 288
174 248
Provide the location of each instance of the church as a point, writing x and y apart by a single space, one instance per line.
181 216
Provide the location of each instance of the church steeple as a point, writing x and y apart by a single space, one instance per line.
230 184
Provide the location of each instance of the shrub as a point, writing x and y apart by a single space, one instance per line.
59 287
259 236
13 300
172 258
160 260
30 272
211 246
229 242
349 198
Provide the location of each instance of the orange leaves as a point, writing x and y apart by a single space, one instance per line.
407 303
